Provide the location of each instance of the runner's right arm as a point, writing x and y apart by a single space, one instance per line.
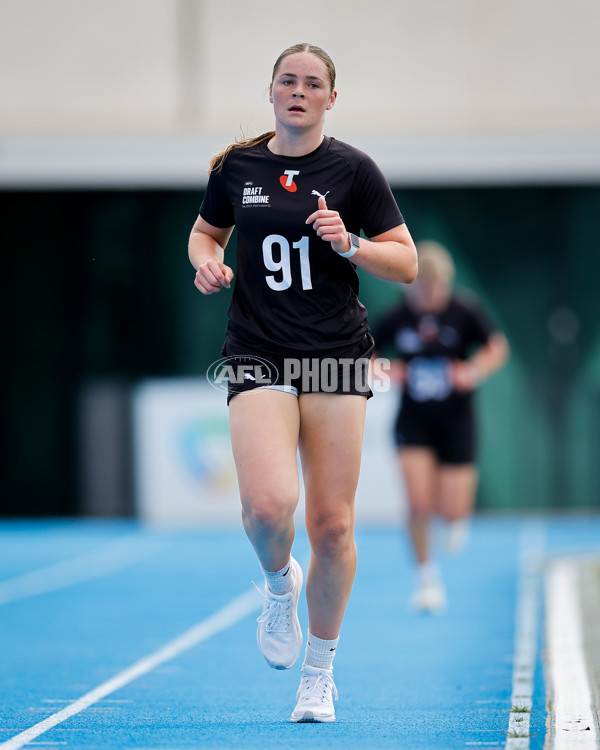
206 251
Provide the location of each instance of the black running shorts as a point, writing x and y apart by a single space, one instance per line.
344 373
449 433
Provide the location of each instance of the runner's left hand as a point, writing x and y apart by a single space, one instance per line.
329 226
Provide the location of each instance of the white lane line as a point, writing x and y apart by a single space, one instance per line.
573 717
531 555
109 559
224 618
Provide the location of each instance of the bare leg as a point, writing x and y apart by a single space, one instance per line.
420 470
457 490
331 436
264 433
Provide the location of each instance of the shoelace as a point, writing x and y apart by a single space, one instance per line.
322 685
276 614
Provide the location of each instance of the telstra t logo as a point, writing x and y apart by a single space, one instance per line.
287 180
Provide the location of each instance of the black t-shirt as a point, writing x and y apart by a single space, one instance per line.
292 291
428 343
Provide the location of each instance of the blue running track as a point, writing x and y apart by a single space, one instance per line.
82 601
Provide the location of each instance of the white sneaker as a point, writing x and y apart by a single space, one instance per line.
279 635
429 597
315 696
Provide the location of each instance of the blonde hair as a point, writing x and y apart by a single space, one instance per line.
435 260
217 161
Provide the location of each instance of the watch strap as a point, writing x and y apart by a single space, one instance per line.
354 246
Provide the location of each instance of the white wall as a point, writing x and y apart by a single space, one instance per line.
144 90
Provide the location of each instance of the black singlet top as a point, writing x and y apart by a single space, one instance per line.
430 342
291 290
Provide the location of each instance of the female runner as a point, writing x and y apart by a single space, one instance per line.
446 347
299 339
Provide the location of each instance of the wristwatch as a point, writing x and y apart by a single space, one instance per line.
354 246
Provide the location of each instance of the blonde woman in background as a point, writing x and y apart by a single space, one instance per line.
446 347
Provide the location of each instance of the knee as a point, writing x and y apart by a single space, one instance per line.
331 537
268 512
450 513
420 509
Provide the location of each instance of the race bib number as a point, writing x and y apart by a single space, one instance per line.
277 258
429 379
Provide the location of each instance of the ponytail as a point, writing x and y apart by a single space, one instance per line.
216 163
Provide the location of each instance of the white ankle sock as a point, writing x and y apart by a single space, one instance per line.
428 573
320 653
279 582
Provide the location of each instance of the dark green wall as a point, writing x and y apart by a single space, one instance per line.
96 285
